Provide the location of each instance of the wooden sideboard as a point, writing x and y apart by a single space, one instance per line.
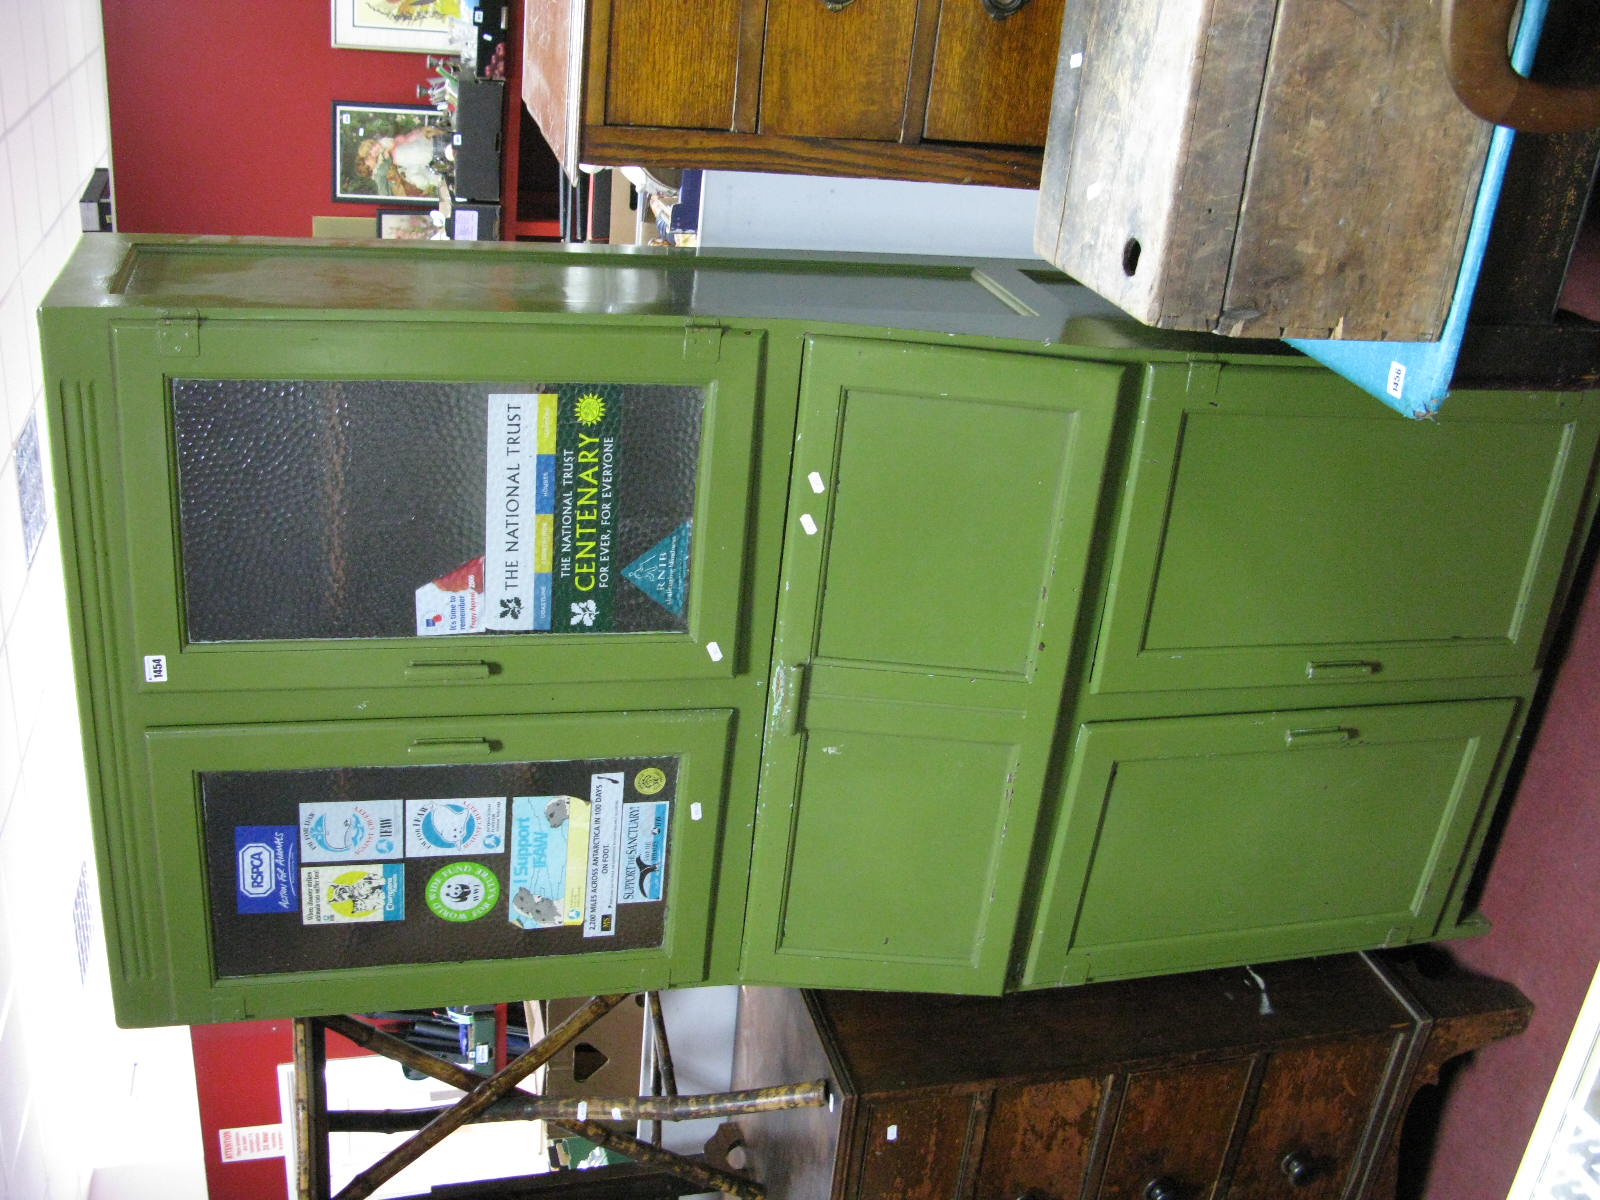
1291 1080
956 91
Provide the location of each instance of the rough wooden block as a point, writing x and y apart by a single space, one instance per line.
1289 169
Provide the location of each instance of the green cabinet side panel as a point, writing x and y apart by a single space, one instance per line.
1194 841
941 513
1276 531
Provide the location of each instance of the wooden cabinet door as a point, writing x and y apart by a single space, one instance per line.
1193 842
1278 528
837 72
992 77
938 529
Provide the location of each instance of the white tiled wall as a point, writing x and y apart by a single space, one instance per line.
77 1095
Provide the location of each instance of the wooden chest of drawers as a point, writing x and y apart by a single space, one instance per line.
955 91
1292 1080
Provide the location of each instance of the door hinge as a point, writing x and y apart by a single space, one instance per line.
178 335
702 343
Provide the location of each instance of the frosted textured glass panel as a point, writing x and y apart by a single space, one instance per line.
360 509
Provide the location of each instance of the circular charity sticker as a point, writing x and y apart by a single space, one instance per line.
650 781
463 891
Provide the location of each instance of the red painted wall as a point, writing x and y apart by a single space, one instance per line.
222 112
1541 895
236 1082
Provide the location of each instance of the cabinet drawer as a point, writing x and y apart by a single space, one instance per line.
1038 1139
1311 1116
815 54
912 1148
1278 528
1191 842
672 63
992 77
1174 1128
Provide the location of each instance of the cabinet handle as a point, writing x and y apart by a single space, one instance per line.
1342 670
1001 9
1336 736
837 5
452 747
1301 1168
448 671
1164 1188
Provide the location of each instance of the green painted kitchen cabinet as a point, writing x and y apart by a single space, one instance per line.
461 622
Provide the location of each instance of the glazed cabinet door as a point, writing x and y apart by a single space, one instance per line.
938 527
343 866
368 504
1194 842
1278 528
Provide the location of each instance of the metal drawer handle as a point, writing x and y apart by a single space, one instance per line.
1342 670
448 671
1301 1168
1337 736
452 747
1164 1188
1001 9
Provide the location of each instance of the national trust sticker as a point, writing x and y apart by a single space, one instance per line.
462 891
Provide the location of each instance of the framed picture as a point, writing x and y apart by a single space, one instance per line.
408 225
418 25
385 153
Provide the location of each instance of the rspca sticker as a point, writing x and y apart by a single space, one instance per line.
352 892
475 825
463 891
350 831
267 865
644 851
549 849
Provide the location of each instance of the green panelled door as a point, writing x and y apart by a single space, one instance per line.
938 528
1200 841
1280 530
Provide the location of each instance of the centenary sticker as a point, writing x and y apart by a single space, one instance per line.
462 891
650 781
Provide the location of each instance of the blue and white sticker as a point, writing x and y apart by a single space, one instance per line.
644 851
350 831
347 893
459 825
267 862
